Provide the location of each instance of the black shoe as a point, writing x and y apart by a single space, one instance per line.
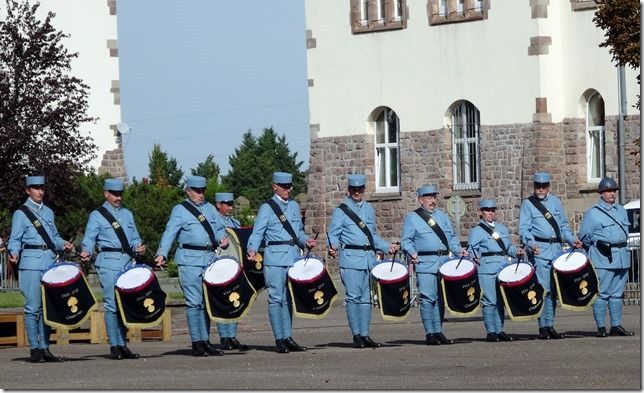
357 341
211 349
503 336
199 348
620 331
553 333
544 333
293 346
601 332
492 338
443 339
432 339
368 342
127 354
35 356
226 343
281 346
237 345
49 357
115 353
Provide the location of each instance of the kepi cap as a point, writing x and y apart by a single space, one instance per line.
542 177
113 185
196 182
282 178
35 181
487 204
356 180
224 197
427 189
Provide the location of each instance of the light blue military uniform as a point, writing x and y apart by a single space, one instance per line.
33 263
418 238
191 263
226 329
356 264
533 224
612 275
492 259
278 257
100 233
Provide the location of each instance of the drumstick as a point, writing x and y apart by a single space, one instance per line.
393 259
462 256
328 242
306 257
572 249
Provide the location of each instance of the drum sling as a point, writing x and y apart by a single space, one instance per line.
549 217
427 217
125 244
202 220
361 224
495 235
39 228
603 247
285 222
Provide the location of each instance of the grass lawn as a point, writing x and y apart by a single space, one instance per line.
13 299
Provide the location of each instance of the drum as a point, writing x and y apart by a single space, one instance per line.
140 299
227 292
66 297
238 239
311 288
394 293
576 280
460 286
522 294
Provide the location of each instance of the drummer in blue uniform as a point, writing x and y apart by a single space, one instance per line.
34 255
112 257
282 249
224 202
604 232
357 256
543 227
189 221
491 246
421 240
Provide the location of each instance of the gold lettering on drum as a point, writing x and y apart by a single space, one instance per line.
319 297
72 303
148 303
234 299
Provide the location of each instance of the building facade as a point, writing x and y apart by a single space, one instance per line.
474 95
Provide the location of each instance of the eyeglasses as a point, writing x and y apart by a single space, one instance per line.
356 189
229 203
198 190
286 186
541 185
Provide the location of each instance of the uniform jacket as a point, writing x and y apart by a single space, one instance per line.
228 221
596 226
480 241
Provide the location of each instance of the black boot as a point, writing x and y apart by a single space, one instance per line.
293 346
601 332
35 356
554 334
368 342
237 345
620 331
544 333
281 346
226 343
127 354
211 349
505 337
49 357
492 338
199 348
357 341
443 339
115 353
432 339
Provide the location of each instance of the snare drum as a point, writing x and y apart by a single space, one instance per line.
238 241
227 292
140 299
311 288
522 294
66 297
576 280
394 293
460 286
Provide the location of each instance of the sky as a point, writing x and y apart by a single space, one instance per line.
195 75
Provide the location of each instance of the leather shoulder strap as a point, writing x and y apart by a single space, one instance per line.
202 220
433 224
494 236
38 225
612 218
285 222
361 224
549 217
125 245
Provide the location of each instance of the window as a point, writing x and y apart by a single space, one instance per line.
460 6
465 125
442 7
377 15
398 11
453 11
386 126
595 156
381 11
364 12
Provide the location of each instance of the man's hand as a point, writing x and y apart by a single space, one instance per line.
393 248
140 249
520 253
224 243
462 253
251 255
67 246
333 252
13 258
577 243
85 256
160 260
310 243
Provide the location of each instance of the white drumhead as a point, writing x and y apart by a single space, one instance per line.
568 262
133 278
385 271
306 269
449 269
60 274
222 270
508 273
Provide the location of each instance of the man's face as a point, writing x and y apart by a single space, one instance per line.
282 190
541 189
36 193
428 201
609 196
113 197
196 195
356 193
225 207
488 214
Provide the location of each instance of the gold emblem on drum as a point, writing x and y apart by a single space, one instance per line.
149 304
258 262
72 303
582 286
234 299
405 296
319 296
470 293
532 296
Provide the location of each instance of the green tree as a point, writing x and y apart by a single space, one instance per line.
164 170
42 108
87 196
208 169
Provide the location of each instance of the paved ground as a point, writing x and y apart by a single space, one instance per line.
581 361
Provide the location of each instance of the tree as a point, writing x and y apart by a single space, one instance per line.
41 108
164 171
208 169
253 163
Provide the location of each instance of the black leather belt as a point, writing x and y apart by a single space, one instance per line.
550 240
281 243
113 249
365 247
198 248
35 247
492 253
617 245
439 252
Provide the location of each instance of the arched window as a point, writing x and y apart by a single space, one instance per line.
595 128
386 126
465 124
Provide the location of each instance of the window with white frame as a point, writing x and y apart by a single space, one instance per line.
386 127
460 6
465 124
595 128
442 7
377 15
381 10
364 12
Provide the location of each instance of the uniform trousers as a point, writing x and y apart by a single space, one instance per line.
611 289
280 311
544 276
191 279
227 329
37 331
432 308
491 303
358 298
115 329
